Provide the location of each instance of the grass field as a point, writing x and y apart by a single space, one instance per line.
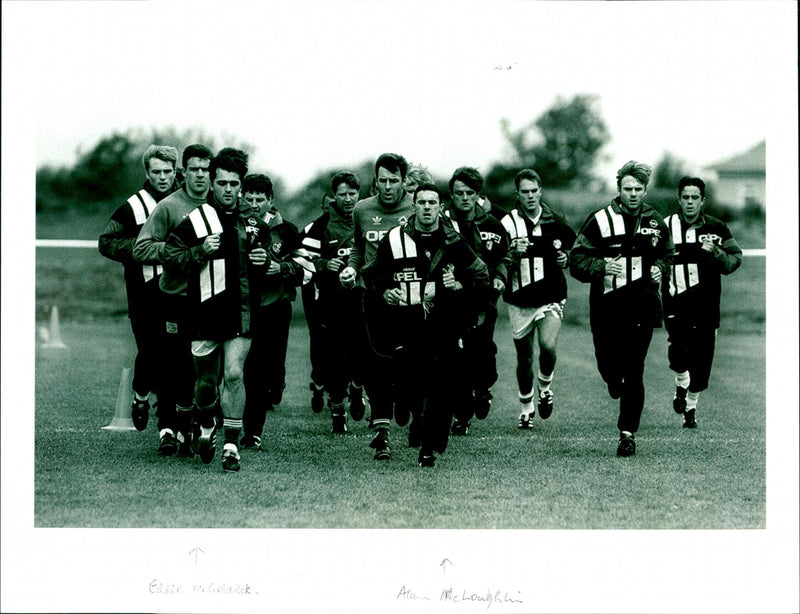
561 475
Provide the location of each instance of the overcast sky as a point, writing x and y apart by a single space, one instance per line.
323 85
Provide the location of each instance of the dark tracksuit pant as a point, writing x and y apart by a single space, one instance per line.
343 343
620 350
147 325
265 365
479 362
177 389
691 348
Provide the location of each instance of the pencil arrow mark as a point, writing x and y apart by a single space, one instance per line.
445 562
196 551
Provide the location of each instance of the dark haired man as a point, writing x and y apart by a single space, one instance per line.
704 251
624 251
487 238
289 266
424 272
342 345
536 291
175 402
225 262
373 217
141 281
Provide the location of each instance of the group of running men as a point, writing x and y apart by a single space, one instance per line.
396 285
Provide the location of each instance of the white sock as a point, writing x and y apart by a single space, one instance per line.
527 402
691 400
543 381
682 379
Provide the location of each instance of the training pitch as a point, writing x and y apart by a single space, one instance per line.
562 474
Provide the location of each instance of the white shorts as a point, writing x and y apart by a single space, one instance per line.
523 319
204 348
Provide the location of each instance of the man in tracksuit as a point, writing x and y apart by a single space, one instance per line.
373 217
487 238
225 262
343 344
536 291
141 281
425 272
704 251
175 400
625 251
289 267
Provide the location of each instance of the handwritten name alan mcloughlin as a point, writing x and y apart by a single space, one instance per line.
463 596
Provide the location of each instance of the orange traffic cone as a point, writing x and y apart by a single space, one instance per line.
52 337
122 414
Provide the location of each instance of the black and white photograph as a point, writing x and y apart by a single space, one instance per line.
400 306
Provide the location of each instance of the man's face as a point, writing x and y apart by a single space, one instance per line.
691 202
427 208
226 188
256 203
529 194
464 197
346 198
390 187
161 175
631 193
197 177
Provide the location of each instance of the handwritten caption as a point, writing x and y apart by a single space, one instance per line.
159 587
452 595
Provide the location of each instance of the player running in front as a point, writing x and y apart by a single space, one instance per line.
704 251
224 271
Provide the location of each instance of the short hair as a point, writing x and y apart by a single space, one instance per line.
692 181
257 183
419 174
162 152
429 187
468 176
346 177
638 170
196 151
530 175
231 160
394 163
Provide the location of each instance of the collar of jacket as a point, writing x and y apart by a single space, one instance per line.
701 219
645 209
273 217
479 217
157 196
335 215
450 234
545 217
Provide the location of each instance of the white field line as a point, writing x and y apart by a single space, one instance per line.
93 245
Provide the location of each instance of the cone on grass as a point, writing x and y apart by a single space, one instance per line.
122 413
52 337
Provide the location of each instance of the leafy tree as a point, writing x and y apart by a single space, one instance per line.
112 169
563 143
668 171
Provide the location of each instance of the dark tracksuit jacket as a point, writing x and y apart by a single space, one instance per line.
624 309
692 293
